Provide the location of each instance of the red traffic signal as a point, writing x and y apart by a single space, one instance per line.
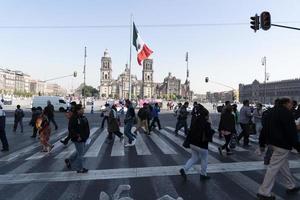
254 22
265 18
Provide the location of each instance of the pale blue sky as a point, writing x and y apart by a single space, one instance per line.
227 54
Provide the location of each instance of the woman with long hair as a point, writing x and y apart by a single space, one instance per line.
43 126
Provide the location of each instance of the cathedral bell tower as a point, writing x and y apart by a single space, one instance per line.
147 78
105 75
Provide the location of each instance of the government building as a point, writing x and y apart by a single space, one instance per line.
267 93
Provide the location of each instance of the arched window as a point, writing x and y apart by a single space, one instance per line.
105 77
148 78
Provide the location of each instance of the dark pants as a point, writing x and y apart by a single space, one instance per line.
16 124
105 118
67 139
227 141
181 123
51 119
34 131
117 133
244 133
155 119
3 139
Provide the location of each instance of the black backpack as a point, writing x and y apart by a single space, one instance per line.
84 128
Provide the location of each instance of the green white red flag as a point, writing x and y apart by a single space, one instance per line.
143 51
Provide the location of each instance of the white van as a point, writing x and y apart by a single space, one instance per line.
58 102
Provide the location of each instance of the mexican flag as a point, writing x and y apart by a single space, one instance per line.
142 49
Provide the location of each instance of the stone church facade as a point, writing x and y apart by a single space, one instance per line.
119 88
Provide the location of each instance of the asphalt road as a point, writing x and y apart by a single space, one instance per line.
148 171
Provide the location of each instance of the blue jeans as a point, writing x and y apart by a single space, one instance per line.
198 153
127 131
77 158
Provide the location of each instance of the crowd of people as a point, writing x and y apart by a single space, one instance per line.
277 128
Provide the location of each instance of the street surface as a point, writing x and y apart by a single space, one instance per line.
147 171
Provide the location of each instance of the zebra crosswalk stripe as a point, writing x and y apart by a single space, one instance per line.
95 148
118 147
211 147
28 149
175 139
161 144
141 147
71 149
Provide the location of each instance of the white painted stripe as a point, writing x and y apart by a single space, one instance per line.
94 150
175 139
164 147
220 142
297 175
132 172
71 149
30 148
141 147
253 139
211 147
118 147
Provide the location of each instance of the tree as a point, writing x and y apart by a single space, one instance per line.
88 90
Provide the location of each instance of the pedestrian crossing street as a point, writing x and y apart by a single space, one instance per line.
164 141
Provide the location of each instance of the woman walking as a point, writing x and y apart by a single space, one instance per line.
43 126
200 135
227 128
113 124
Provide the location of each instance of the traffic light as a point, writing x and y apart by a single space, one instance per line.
75 74
254 22
206 79
265 19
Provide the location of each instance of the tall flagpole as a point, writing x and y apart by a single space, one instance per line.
84 77
131 23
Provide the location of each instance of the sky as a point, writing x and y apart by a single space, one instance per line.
227 54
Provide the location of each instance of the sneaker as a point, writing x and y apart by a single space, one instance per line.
4 150
183 174
204 177
129 144
220 151
64 142
293 190
68 163
263 197
82 171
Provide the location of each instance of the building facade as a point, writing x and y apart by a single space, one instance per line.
16 82
267 93
119 88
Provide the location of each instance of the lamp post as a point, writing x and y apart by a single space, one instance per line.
264 63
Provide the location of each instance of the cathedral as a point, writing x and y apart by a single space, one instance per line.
119 88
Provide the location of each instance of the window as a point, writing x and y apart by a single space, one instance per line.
105 77
62 101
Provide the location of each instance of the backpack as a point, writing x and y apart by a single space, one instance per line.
19 113
84 128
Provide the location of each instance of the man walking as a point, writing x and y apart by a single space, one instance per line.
79 131
245 118
129 121
155 113
143 119
19 114
105 114
181 119
2 131
281 135
49 112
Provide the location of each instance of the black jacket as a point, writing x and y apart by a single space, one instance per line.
200 132
280 129
79 127
227 122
